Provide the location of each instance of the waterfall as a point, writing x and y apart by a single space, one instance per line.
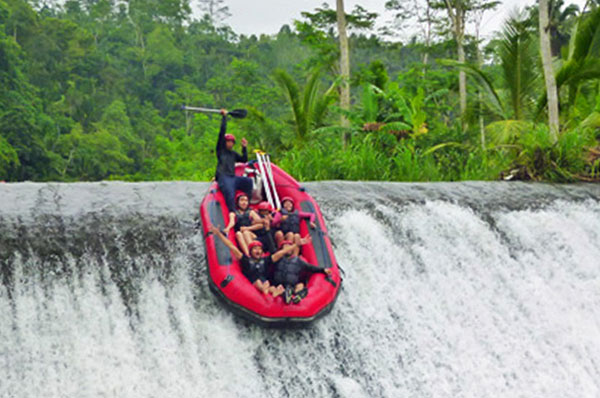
476 289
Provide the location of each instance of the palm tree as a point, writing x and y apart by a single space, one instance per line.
308 108
583 61
517 51
549 78
518 57
558 22
512 103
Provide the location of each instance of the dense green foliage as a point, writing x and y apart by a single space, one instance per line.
92 90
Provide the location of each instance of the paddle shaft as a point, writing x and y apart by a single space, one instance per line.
236 113
198 109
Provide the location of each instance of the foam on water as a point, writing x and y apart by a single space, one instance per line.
442 297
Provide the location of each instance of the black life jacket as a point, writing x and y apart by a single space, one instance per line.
256 269
291 223
288 271
242 219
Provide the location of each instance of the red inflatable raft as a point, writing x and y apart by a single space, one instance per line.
228 283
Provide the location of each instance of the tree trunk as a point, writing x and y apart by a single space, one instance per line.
479 95
344 63
428 22
456 12
462 77
549 77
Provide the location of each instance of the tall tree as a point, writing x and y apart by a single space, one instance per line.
216 10
458 13
550 79
561 21
344 62
420 12
478 20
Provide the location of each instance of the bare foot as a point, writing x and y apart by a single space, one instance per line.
278 291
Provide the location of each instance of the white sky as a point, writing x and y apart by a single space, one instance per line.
267 16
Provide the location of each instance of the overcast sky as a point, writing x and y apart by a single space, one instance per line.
267 16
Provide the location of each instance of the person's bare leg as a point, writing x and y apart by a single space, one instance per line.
260 286
278 237
298 241
242 243
249 237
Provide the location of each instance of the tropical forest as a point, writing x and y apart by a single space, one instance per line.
93 90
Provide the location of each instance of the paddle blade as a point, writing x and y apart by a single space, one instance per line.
238 113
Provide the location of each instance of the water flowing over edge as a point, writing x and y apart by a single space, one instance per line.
451 289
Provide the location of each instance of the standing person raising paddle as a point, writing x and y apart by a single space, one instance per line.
227 157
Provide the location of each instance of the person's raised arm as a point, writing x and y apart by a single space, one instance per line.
253 227
244 157
222 131
231 223
236 252
279 254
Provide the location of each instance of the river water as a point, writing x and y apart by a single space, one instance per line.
451 290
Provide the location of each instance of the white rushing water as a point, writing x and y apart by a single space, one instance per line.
442 297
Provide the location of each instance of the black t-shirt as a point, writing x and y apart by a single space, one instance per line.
227 158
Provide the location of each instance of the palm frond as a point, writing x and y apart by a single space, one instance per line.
518 55
494 103
584 56
506 132
396 126
442 145
587 36
290 88
322 105
309 97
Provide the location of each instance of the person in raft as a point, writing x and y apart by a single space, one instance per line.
261 227
256 267
291 271
240 220
287 222
228 182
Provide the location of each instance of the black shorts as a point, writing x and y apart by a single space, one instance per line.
288 230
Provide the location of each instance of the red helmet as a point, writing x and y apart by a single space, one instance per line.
264 206
253 244
284 242
229 137
239 195
287 198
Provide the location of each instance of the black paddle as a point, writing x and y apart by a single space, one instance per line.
236 113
